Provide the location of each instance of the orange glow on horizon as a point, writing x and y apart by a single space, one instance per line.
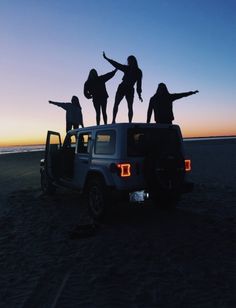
23 141
186 132
211 133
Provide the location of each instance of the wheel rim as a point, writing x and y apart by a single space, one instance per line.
96 201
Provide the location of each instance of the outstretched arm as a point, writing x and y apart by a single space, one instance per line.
62 105
184 94
117 65
108 76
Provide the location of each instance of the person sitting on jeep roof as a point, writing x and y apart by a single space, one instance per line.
74 116
95 88
162 104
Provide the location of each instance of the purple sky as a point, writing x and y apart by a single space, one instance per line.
48 48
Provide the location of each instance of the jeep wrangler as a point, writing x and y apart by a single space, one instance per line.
135 161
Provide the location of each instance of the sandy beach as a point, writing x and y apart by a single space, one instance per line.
142 257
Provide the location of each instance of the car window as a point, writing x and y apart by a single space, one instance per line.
142 140
73 140
105 142
70 141
54 142
84 143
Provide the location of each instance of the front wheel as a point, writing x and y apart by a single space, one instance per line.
97 197
46 184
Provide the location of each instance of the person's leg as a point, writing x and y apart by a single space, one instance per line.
104 112
130 99
97 109
75 126
118 99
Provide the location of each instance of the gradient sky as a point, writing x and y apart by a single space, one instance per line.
48 47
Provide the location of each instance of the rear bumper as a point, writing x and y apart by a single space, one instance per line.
185 188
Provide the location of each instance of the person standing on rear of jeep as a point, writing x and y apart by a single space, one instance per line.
132 75
74 116
162 104
95 88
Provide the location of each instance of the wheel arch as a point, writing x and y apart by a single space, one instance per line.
94 174
100 173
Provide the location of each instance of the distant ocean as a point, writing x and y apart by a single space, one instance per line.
210 138
21 149
35 148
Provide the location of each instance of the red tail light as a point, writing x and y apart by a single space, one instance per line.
125 169
188 165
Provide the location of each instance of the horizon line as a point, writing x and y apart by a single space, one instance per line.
195 137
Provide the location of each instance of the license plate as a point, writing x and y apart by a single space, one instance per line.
138 196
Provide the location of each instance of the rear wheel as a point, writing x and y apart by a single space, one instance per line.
97 197
46 184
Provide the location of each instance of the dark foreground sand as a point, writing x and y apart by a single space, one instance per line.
143 257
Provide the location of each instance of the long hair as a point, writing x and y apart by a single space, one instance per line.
162 89
132 61
92 75
75 101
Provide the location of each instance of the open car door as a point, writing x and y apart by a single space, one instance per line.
53 155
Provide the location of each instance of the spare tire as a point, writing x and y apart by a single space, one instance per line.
164 175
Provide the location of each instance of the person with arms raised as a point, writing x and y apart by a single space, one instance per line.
74 116
95 88
162 104
132 76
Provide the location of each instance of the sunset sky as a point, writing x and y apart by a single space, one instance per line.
49 46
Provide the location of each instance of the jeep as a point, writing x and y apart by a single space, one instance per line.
132 161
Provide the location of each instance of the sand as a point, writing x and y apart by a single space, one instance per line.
19 171
142 257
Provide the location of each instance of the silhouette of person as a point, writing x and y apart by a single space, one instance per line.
74 116
132 75
95 88
162 104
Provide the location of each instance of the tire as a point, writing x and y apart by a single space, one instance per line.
46 184
97 197
160 175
